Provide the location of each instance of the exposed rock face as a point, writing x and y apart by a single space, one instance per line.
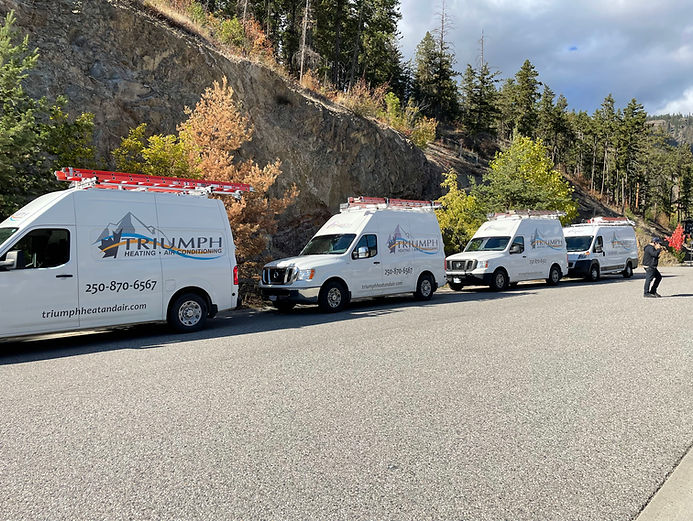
116 60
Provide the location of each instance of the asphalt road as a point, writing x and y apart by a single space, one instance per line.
567 403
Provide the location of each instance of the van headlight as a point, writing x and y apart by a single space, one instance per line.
307 274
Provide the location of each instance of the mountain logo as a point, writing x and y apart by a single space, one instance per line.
538 242
400 241
131 237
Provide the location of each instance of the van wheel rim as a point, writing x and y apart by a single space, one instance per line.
190 313
334 297
554 275
500 280
426 287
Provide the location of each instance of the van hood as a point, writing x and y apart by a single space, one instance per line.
305 261
477 255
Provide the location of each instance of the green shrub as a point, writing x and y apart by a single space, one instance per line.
424 132
197 13
231 32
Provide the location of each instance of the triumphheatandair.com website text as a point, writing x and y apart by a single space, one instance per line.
75 312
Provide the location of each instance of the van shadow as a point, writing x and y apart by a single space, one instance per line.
228 325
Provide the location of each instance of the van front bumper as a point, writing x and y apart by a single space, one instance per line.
468 277
288 294
579 268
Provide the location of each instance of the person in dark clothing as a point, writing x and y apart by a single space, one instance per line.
650 260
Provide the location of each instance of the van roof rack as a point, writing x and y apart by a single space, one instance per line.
607 221
385 202
525 214
84 178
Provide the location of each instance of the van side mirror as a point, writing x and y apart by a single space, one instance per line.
10 262
516 248
598 249
363 253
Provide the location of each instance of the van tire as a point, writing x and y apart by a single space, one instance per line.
188 313
499 280
284 307
628 272
554 275
425 287
333 297
455 286
593 275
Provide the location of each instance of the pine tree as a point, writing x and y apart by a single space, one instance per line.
526 95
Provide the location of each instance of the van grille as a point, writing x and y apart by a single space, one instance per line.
462 265
276 275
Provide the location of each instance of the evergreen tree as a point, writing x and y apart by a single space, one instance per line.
35 136
526 95
434 86
479 101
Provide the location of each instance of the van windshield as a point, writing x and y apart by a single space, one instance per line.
6 233
487 244
580 243
329 244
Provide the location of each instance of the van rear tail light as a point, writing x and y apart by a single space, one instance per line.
235 275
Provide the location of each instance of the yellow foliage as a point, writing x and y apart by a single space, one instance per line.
214 130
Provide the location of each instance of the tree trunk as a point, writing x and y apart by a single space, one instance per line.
337 43
357 48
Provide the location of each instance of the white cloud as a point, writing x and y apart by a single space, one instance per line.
683 105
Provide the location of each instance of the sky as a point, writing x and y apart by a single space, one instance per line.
583 49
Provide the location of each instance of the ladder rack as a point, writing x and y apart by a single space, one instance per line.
83 178
525 214
384 202
607 221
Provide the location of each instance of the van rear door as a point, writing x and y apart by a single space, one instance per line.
40 294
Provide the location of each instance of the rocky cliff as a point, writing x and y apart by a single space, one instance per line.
127 66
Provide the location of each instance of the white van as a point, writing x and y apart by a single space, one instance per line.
509 248
373 247
600 246
87 258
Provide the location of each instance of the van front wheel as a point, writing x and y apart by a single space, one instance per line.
424 288
593 275
455 286
333 297
499 280
188 313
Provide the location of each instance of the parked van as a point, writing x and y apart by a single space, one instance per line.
90 257
601 246
510 248
373 247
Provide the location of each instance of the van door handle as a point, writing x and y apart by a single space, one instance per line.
66 276
376 262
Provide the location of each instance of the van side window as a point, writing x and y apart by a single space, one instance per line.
44 248
367 241
599 244
518 244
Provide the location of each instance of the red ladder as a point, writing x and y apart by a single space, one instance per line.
120 180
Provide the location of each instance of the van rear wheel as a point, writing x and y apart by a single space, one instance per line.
425 287
554 275
188 313
628 272
333 297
